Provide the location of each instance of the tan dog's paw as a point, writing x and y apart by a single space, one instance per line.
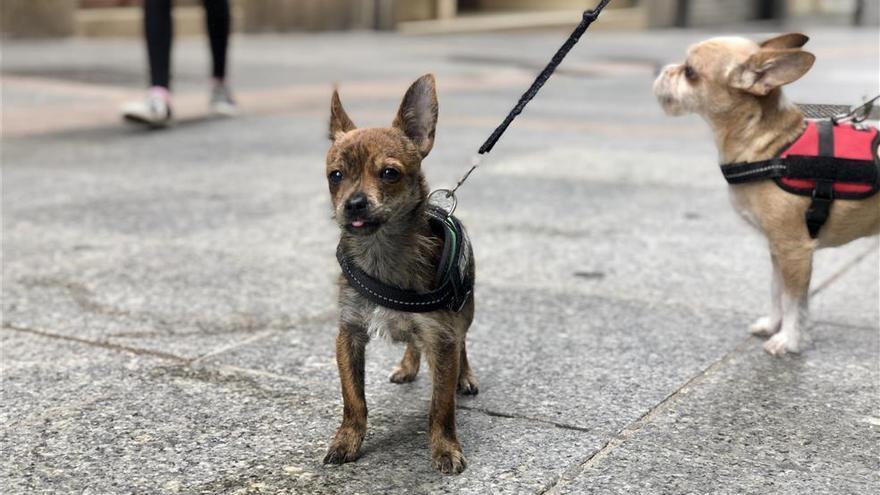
448 459
403 374
783 343
467 384
765 326
345 446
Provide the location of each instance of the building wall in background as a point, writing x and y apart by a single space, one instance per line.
37 18
33 18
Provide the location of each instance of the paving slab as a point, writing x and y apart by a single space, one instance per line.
753 425
110 422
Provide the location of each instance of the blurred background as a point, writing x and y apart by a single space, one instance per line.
97 18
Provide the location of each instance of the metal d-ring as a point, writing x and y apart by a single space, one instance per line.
446 194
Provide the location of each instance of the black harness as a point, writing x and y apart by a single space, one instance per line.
454 285
813 166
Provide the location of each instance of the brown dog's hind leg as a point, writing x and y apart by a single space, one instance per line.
408 368
350 345
467 382
446 455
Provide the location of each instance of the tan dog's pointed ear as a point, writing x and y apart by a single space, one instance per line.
766 70
417 116
339 121
787 40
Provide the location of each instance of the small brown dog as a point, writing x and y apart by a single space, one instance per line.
735 85
391 246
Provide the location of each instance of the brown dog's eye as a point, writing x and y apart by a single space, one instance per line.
389 174
690 73
335 177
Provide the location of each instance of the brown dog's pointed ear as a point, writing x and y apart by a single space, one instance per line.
417 116
339 121
788 40
766 70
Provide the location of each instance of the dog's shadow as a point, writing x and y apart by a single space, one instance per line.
389 434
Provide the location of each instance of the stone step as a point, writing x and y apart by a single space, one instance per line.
612 19
127 22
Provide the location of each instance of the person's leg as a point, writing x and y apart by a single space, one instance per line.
158 32
155 110
219 23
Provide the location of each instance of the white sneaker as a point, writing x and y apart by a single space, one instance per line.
221 101
153 111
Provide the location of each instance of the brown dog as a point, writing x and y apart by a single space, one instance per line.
735 85
380 202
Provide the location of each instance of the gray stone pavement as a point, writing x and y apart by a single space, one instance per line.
168 303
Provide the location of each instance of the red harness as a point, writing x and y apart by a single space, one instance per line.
849 142
829 161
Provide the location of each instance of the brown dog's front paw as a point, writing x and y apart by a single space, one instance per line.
345 447
402 374
449 459
468 385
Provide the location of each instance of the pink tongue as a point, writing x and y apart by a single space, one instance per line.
357 223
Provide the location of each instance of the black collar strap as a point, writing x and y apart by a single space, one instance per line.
454 286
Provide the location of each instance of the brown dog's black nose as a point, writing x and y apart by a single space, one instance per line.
357 203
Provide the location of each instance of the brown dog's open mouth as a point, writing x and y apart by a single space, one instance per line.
362 227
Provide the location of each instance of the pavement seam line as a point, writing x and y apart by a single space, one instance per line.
634 427
235 345
226 368
489 412
843 270
93 343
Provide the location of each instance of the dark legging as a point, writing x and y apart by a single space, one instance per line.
158 30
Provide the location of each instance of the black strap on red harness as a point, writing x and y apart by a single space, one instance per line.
823 193
454 286
823 169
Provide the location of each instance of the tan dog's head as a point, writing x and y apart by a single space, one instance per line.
721 75
375 175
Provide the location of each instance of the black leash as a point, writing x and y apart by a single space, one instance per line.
588 18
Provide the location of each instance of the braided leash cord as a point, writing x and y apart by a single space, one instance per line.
588 18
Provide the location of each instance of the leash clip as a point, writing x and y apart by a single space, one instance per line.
444 199
449 201
857 114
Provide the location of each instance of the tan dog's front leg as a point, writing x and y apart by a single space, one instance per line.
769 325
350 345
795 266
446 455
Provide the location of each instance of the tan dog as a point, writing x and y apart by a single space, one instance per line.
735 85
380 201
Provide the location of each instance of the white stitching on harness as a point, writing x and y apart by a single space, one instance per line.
756 171
380 296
